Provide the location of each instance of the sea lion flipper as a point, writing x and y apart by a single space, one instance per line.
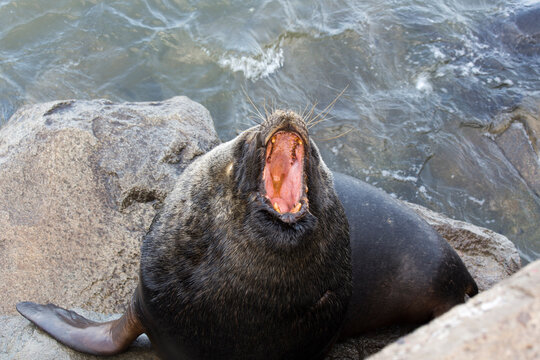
472 288
81 334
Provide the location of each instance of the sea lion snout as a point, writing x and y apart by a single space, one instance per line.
284 172
284 188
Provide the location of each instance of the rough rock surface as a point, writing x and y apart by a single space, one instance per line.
79 183
490 257
501 323
520 32
517 134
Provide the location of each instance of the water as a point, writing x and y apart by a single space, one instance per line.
442 103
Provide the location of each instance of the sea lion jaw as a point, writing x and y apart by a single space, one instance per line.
283 175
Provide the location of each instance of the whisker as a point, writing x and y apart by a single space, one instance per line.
255 117
307 119
327 109
324 118
245 123
265 109
338 136
252 104
250 130
304 111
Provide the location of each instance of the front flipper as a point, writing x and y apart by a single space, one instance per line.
81 334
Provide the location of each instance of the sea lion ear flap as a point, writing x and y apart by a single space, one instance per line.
81 334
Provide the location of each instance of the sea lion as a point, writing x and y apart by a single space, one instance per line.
250 257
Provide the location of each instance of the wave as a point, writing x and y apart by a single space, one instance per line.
256 66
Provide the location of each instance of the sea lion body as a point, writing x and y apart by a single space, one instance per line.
403 270
250 257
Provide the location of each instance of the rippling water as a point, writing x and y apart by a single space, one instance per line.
442 103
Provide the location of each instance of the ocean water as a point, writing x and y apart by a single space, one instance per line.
442 99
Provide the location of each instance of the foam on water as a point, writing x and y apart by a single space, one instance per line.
257 66
476 201
423 84
398 175
422 190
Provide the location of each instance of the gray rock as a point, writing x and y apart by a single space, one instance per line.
501 323
490 257
517 148
80 183
520 32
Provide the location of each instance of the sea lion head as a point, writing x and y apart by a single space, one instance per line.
279 172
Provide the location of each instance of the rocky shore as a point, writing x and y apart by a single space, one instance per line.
80 182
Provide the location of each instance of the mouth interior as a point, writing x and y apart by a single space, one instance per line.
283 171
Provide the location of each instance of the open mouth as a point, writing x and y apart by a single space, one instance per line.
283 174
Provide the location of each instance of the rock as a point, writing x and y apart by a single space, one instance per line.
517 134
80 183
490 257
369 343
501 323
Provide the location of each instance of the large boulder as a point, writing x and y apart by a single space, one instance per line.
79 185
80 182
